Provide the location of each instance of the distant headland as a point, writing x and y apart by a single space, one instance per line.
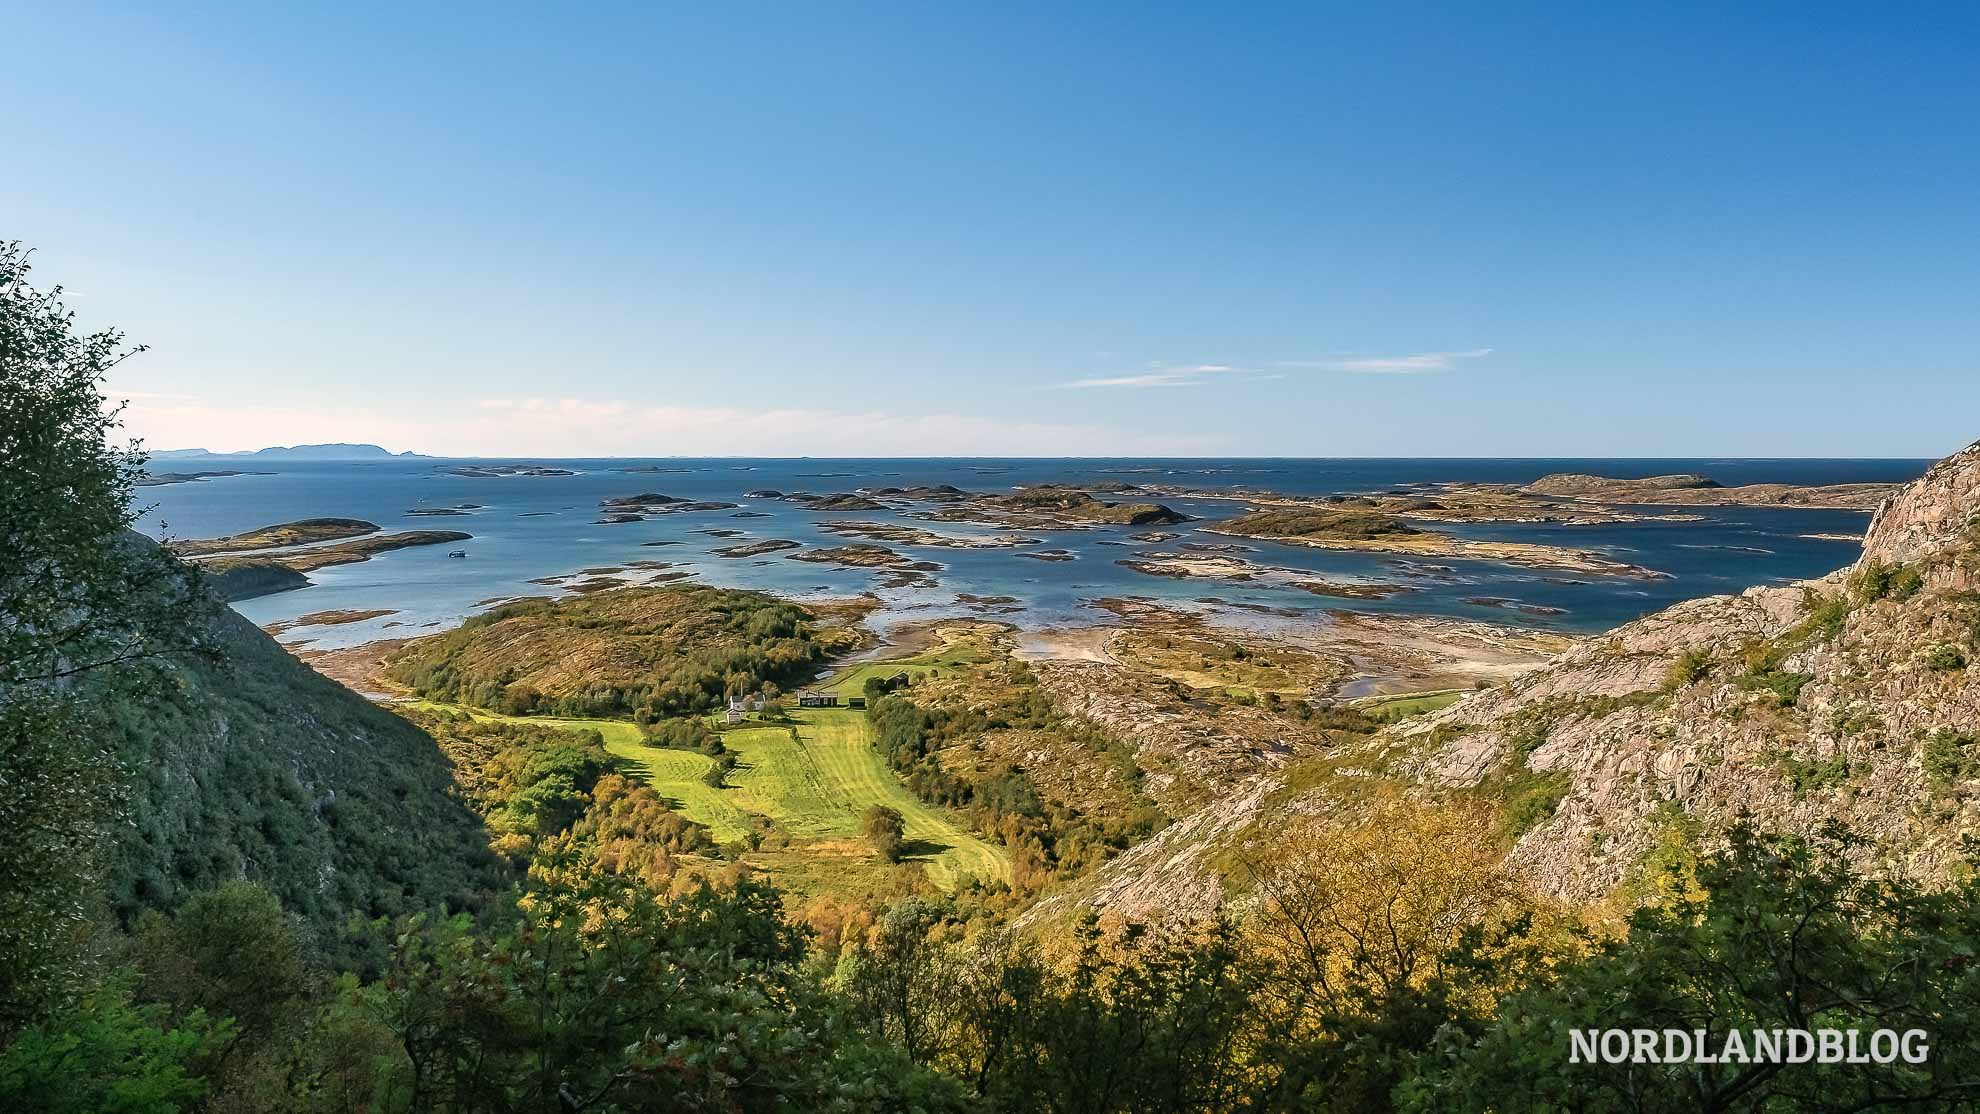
335 451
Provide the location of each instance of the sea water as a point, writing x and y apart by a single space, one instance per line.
528 528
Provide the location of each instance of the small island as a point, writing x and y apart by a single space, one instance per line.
1238 570
756 549
161 479
303 531
1054 506
902 571
839 501
1694 490
503 471
272 559
364 549
1380 533
650 504
916 536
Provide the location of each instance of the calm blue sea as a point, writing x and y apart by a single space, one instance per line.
532 527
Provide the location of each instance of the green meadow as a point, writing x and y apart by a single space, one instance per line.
1389 709
812 778
956 650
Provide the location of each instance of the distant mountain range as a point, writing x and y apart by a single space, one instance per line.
292 452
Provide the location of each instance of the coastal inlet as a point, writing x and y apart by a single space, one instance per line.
1497 541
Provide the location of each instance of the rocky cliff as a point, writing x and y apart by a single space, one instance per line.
1852 699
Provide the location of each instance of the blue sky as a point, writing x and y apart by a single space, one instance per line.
1017 229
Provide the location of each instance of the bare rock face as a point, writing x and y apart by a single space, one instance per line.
1933 515
1851 699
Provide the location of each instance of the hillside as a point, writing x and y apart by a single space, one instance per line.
251 764
245 578
1854 698
1851 698
654 652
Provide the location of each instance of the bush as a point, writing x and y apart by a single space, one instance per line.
1945 658
1690 667
1784 688
1532 798
886 830
1783 934
107 1055
1879 581
1948 756
1810 775
1826 614
685 733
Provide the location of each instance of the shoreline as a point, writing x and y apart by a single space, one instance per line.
1532 555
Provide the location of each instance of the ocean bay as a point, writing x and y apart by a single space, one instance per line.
529 528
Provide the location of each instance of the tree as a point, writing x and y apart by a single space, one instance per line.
77 591
103 1055
1788 936
80 597
228 952
886 830
1373 937
604 996
1354 916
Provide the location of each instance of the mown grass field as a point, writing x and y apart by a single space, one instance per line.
960 646
1389 709
814 786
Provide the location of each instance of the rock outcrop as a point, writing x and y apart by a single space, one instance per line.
1931 516
1853 699
1692 490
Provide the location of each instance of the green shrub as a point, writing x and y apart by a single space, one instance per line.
1948 756
1879 581
885 829
1811 775
1826 614
1784 688
1691 667
1532 798
1945 658
685 733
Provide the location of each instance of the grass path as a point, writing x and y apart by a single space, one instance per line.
815 787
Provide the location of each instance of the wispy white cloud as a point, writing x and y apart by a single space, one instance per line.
1393 365
1163 375
1197 375
579 427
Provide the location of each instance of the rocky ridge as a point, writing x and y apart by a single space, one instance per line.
1853 699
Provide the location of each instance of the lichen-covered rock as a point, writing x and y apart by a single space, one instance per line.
1930 516
1849 699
